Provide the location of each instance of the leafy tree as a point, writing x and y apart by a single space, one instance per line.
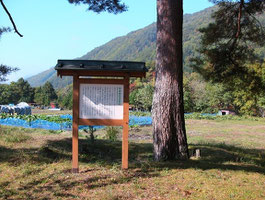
146 96
45 95
48 93
16 92
68 101
5 94
142 97
218 97
38 95
19 91
188 98
25 91
261 106
133 99
227 45
65 97
248 95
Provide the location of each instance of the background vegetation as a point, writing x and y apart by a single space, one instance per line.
21 91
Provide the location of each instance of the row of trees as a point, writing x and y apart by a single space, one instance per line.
199 95
208 97
21 91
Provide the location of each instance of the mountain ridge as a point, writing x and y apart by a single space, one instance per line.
139 45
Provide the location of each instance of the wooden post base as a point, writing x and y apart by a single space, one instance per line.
75 170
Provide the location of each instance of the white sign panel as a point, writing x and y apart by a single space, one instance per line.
101 101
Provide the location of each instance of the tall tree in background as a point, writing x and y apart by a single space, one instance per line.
45 95
16 92
25 91
228 45
49 93
169 132
5 94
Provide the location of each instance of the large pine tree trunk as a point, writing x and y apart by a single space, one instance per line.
170 141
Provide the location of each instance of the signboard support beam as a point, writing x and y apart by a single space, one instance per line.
125 146
75 168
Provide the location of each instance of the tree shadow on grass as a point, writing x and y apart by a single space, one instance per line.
105 153
62 186
213 155
108 153
223 157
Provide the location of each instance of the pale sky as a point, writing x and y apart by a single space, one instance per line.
55 29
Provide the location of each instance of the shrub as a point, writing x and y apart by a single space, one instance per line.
112 133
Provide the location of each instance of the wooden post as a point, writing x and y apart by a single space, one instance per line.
75 168
125 147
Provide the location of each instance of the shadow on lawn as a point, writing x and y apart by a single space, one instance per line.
57 186
105 153
108 153
213 155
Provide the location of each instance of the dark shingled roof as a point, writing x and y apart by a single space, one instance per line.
101 65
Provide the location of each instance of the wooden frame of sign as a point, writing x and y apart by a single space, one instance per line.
102 101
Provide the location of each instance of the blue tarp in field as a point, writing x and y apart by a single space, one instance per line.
133 120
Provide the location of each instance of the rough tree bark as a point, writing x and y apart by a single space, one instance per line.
170 141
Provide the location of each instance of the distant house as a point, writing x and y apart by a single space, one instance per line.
226 112
54 105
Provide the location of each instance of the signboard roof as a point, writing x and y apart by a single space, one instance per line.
100 65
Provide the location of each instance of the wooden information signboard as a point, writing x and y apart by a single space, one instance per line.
100 101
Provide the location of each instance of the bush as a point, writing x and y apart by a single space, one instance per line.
112 133
142 98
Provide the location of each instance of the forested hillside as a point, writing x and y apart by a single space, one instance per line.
51 76
140 46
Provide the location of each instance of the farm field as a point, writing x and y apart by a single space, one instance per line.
36 164
37 111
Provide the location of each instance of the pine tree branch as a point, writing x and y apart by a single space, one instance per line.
239 18
10 17
257 21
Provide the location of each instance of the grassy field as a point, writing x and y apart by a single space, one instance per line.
37 111
35 164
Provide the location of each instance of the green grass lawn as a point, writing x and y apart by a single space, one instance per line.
36 164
